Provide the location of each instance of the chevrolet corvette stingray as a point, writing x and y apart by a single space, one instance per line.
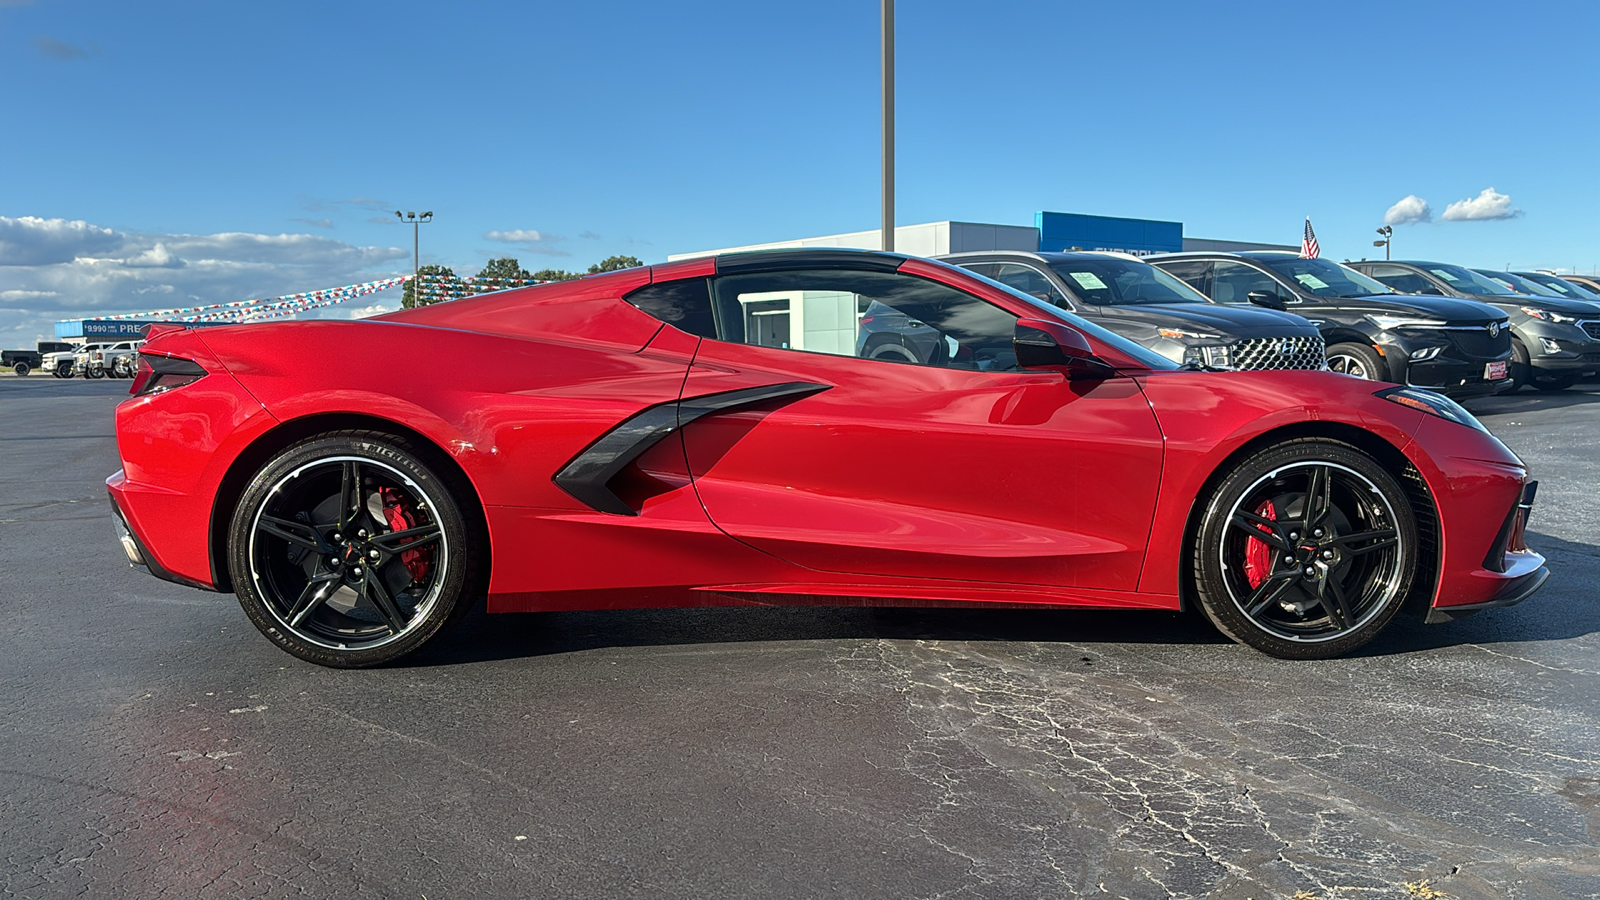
703 433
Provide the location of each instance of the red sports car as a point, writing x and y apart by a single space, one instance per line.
704 433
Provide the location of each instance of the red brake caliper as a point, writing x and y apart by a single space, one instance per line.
1258 553
400 517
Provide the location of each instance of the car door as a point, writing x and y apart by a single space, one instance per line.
959 465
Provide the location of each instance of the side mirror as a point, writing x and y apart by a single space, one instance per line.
1043 344
1267 299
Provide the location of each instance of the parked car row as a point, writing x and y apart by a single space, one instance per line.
1457 331
114 360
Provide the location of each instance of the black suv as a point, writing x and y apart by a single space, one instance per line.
1146 305
1455 347
1555 342
1571 290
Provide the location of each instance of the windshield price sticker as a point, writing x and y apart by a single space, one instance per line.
1445 275
1311 281
1089 281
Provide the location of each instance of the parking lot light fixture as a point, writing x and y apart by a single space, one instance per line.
416 256
1388 235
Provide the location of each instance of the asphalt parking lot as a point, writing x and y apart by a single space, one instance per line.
152 744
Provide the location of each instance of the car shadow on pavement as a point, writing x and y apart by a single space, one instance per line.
1562 610
482 637
1523 400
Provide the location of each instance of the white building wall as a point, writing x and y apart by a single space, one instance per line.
927 239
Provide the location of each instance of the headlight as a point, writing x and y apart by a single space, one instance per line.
1209 357
1433 404
1388 322
1179 334
1548 315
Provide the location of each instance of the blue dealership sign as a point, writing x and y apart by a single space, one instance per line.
1072 231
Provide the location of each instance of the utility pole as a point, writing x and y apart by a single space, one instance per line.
416 255
888 124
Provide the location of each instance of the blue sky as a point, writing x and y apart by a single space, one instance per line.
163 152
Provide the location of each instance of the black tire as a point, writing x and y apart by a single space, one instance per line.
1298 579
22 369
64 370
1358 360
316 561
1521 373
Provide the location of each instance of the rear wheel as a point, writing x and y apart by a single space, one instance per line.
22 369
351 550
1306 550
1358 360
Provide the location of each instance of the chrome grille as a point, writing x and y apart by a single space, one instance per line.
1592 329
1279 353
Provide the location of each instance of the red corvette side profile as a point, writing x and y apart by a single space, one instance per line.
711 432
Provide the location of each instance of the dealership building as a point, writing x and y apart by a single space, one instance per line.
826 321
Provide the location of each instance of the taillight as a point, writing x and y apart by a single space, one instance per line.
163 373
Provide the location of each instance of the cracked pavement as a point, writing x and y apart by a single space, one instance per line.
152 744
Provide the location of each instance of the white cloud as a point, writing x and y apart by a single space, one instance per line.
520 236
58 269
1409 211
1488 205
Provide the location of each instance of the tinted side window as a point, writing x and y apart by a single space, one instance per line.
987 270
1192 272
1232 282
685 305
1030 281
1402 280
873 315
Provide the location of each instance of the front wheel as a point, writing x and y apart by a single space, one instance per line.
1358 360
1306 550
64 370
351 550
94 372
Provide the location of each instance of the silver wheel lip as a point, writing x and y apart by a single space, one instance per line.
422 609
1390 577
1359 363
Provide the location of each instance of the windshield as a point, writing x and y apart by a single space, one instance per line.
1110 281
1565 288
1467 281
1148 358
1518 283
1324 278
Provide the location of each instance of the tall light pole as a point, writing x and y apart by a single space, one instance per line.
416 256
888 124
1388 237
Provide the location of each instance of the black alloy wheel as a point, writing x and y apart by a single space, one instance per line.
1307 550
22 369
94 372
1358 360
64 370
350 550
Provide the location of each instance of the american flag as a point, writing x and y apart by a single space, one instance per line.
1308 244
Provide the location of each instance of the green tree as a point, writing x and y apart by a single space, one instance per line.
434 289
503 273
556 275
613 263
